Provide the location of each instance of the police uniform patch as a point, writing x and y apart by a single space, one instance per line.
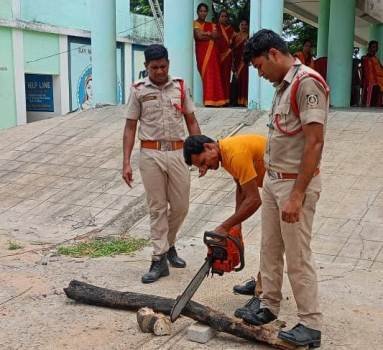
312 100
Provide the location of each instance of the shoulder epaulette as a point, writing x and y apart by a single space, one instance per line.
138 83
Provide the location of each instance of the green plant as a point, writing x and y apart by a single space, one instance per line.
14 245
101 247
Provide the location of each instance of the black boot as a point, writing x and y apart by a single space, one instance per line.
301 335
248 288
262 316
174 259
158 268
251 306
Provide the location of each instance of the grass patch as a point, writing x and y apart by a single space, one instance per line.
101 247
14 245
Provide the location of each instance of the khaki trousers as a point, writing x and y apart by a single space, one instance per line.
293 240
166 180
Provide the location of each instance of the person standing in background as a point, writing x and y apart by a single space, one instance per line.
240 69
224 42
205 36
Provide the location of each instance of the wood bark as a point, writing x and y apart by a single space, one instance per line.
151 322
93 295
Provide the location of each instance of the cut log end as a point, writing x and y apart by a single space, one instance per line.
151 322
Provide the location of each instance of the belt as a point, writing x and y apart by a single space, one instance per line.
162 145
274 175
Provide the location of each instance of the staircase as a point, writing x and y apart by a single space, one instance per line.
158 17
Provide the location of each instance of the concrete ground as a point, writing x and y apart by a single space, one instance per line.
60 179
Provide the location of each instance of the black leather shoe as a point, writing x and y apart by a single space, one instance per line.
248 288
252 305
174 259
302 336
262 316
158 268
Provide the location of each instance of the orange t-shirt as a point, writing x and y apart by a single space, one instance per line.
242 157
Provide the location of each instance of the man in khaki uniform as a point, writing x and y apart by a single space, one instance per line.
161 104
291 184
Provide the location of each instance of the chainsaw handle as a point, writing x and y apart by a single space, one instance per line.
241 252
211 238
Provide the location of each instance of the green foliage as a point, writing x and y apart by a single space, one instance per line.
237 10
101 247
142 7
295 32
14 245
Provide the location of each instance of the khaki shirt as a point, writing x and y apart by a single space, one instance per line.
155 108
284 152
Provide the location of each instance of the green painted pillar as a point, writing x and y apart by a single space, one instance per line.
254 91
103 37
376 33
266 14
323 25
340 49
178 38
123 17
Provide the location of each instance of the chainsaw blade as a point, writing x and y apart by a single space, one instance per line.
188 293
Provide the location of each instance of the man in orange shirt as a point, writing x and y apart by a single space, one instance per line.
242 157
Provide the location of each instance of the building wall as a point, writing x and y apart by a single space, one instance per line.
37 47
6 9
73 14
7 78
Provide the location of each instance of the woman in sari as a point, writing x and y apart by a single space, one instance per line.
224 41
306 55
241 70
205 35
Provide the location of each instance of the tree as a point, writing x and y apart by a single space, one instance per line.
295 32
237 10
142 7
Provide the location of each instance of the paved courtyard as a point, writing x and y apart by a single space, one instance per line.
60 179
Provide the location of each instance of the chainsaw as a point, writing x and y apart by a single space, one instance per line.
224 254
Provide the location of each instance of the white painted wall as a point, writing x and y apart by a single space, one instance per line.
64 75
127 69
18 59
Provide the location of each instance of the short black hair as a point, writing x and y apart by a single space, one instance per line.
155 52
372 42
202 4
194 145
261 42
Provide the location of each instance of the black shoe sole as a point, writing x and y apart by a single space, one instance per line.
164 274
312 344
177 266
247 292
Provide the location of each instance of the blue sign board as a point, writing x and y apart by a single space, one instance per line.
39 93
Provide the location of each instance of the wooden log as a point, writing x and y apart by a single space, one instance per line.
93 295
151 322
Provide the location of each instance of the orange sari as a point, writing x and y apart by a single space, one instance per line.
241 68
226 56
375 70
208 67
